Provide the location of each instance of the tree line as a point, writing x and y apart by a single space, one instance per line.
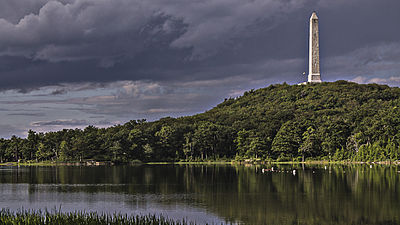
333 121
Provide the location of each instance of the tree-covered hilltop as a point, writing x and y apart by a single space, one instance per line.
339 120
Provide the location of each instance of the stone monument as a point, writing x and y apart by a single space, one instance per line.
314 75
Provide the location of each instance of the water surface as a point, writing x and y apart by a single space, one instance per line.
213 193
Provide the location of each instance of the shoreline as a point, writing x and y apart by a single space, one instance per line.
233 162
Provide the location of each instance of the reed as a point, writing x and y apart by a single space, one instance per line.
29 217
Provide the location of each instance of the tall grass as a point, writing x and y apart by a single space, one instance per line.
27 217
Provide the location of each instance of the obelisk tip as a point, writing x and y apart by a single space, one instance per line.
314 16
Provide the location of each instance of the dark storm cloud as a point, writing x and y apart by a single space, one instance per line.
60 123
51 42
101 62
58 92
26 114
70 123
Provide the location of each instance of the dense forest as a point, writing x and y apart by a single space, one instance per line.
329 121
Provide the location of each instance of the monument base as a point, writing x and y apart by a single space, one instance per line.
314 78
305 83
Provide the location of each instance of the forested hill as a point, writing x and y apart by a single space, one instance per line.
339 120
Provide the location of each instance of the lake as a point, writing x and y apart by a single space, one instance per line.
290 194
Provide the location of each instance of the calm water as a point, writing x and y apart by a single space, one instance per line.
213 194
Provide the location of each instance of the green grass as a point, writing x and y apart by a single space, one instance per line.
193 162
42 163
26 217
53 163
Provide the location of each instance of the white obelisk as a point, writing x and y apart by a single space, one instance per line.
314 75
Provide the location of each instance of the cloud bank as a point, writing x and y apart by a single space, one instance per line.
78 62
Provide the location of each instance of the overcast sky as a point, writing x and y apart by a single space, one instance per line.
73 63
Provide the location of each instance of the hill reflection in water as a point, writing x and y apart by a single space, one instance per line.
333 194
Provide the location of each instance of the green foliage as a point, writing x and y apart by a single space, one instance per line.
339 121
249 145
310 145
287 140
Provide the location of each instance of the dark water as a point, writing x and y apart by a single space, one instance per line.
214 193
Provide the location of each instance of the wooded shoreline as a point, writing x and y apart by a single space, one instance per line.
338 121
308 162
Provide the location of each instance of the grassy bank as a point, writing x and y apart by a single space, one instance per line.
55 163
43 163
82 218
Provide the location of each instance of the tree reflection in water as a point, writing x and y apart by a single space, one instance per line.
336 194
